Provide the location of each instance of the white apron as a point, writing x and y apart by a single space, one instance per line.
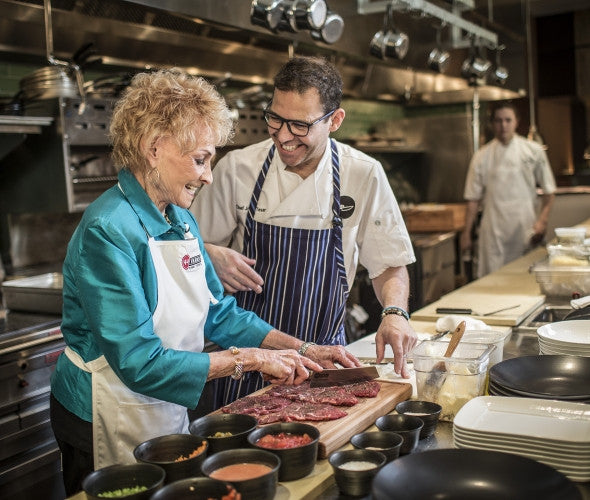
508 214
121 418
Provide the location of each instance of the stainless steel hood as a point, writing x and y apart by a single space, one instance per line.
216 39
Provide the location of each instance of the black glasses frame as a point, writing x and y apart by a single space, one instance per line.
267 113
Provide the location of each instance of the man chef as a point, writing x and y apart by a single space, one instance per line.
503 176
288 220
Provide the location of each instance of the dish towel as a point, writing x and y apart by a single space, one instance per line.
451 322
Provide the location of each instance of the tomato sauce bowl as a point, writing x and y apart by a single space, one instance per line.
254 473
295 443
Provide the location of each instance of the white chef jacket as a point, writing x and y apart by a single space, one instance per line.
374 232
505 178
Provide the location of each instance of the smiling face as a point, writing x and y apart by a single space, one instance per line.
504 124
179 175
302 154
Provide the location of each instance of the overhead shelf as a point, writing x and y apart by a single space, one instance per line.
14 129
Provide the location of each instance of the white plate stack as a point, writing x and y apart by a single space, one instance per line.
565 337
556 433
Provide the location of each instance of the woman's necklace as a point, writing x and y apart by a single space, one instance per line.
167 218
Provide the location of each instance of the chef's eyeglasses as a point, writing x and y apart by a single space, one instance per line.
296 127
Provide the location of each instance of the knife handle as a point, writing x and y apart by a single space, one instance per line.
453 310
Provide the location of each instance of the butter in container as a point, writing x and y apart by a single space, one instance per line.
464 378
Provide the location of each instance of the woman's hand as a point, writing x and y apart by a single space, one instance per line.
285 367
328 355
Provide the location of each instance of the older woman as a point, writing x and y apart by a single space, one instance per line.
140 293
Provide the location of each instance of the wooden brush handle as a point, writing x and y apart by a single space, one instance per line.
455 339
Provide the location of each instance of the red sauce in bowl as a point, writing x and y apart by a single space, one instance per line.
240 472
283 440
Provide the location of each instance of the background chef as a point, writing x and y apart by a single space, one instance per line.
503 177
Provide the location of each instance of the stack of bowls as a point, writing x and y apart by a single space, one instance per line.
224 431
407 426
427 411
173 453
147 477
296 462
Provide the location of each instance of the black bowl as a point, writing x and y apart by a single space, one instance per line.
406 426
238 425
471 474
195 488
427 411
262 487
388 443
355 483
116 477
165 450
295 462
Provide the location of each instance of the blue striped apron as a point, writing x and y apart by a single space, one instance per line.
305 288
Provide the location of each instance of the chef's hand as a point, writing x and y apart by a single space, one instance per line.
283 367
234 269
329 355
465 242
397 332
539 228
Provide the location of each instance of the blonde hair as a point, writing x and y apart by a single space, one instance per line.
166 103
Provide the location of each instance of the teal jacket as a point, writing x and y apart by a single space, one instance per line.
110 295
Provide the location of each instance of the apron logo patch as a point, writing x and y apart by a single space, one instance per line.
191 263
347 206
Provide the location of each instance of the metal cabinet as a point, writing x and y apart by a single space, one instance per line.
66 166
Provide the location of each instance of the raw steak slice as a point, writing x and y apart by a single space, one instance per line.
368 389
257 405
301 411
337 396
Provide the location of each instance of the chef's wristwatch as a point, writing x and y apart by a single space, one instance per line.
239 364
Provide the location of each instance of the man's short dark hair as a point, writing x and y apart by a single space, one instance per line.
301 73
503 105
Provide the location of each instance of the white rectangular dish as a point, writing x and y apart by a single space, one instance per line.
545 419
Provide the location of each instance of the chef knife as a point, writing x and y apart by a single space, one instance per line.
343 376
458 310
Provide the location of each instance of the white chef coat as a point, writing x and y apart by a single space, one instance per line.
505 178
374 234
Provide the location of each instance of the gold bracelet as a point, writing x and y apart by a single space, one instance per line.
304 347
239 364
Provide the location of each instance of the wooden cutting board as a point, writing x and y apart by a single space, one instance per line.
482 302
336 433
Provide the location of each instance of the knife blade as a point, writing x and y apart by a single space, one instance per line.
343 376
459 310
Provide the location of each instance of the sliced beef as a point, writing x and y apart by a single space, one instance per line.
302 411
368 389
263 404
337 396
